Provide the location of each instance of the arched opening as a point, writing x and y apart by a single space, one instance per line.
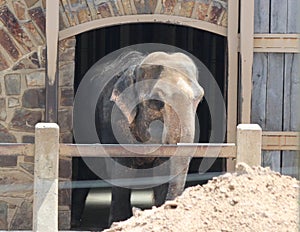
207 47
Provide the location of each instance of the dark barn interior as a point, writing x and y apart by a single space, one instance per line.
207 47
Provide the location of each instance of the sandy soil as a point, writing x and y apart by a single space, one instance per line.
252 199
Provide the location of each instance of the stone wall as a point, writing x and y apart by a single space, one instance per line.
22 105
22 72
22 84
22 54
16 192
73 12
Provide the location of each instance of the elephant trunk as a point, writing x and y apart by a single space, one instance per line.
179 125
179 128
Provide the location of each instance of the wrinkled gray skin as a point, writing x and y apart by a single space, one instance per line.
168 93
175 87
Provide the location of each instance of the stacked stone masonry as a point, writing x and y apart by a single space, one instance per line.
16 194
22 84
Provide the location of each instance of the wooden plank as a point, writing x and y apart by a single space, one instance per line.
295 93
259 90
224 150
281 133
278 13
281 140
293 25
149 150
295 115
246 50
260 62
52 28
290 159
274 103
232 88
277 43
17 149
261 16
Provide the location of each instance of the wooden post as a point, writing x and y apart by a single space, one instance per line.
52 28
246 50
249 143
45 203
232 38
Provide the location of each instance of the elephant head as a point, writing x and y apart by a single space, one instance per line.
162 88
158 98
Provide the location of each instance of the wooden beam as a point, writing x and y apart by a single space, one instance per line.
280 140
232 86
149 150
246 50
52 28
274 110
16 149
277 43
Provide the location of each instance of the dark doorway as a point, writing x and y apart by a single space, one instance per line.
207 47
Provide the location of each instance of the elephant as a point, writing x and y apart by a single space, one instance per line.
152 101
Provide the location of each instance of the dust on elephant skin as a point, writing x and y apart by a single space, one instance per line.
152 101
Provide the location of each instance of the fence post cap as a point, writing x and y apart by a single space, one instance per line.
249 127
41 125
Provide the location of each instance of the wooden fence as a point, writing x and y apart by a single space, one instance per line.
46 151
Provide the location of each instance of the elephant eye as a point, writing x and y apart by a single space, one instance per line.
156 104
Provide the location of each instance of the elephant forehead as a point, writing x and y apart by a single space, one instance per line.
173 80
179 61
158 57
170 84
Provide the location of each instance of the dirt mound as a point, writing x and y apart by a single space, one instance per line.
252 199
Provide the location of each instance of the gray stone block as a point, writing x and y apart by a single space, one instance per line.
12 84
34 98
3 113
25 120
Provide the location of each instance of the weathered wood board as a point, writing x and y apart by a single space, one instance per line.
276 81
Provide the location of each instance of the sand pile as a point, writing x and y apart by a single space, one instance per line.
252 199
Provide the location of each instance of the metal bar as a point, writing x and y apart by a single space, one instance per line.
149 150
52 28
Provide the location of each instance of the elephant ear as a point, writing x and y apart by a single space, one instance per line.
124 94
